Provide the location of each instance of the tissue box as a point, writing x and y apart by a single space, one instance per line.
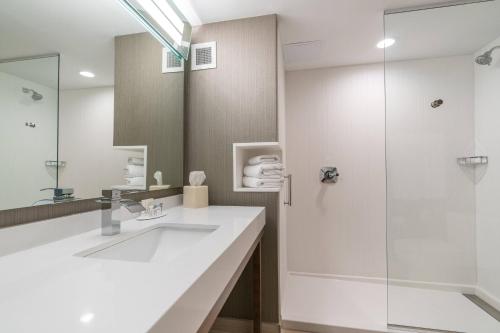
195 196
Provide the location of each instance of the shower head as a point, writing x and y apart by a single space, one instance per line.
36 96
486 58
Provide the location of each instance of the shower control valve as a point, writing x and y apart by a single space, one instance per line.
328 175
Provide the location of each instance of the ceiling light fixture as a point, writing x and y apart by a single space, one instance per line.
164 21
87 74
87 317
386 43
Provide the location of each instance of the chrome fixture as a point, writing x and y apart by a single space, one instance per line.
110 227
328 175
472 160
289 200
61 194
437 103
36 96
52 163
486 58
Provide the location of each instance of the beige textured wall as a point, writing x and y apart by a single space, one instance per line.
149 106
236 102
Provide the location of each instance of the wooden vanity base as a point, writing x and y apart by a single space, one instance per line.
253 254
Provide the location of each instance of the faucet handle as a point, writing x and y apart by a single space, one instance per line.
116 194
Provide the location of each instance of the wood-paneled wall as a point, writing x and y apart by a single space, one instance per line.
149 106
236 102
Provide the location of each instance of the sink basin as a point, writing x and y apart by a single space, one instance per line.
159 243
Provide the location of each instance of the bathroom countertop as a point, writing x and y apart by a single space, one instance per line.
49 289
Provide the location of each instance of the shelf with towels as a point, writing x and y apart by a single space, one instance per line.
139 152
242 152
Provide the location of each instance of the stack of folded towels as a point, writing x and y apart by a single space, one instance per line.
263 171
134 172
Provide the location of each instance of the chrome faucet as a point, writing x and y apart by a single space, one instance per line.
109 226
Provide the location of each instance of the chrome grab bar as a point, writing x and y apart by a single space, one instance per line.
289 199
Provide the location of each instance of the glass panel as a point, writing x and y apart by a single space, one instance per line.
442 111
28 130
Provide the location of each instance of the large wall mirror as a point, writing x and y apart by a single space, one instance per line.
88 101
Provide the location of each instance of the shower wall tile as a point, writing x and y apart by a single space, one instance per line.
335 117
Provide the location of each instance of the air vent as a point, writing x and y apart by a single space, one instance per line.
171 63
204 56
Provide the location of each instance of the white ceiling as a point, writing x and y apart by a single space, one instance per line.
344 32
82 31
457 30
347 30
42 71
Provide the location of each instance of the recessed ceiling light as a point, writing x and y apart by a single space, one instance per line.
87 74
87 317
386 43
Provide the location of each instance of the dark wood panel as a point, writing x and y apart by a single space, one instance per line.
25 215
149 106
255 255
237 102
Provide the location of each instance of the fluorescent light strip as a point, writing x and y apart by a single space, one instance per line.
170 14
160 18
386 43
87 74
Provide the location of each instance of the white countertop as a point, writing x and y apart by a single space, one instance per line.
48 289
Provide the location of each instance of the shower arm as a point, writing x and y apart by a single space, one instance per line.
493 49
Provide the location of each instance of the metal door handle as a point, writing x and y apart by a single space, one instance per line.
289 199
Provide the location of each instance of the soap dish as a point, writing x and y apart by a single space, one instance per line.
150 217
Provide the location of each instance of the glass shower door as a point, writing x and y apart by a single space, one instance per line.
442 179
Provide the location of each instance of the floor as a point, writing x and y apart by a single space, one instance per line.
336 305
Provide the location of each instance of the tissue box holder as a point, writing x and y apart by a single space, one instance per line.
196 196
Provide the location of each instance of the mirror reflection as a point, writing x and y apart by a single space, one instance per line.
28 129
70 119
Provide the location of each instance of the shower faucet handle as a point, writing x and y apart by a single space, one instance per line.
328 175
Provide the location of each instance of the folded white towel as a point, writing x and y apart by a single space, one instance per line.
133 170
262 183
136 160
135 181
269 171
264 159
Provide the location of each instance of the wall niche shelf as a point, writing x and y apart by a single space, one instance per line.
242 152
136 151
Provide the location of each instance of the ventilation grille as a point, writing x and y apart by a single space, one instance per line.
204 56
171 63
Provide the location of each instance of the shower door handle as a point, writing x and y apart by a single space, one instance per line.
289 198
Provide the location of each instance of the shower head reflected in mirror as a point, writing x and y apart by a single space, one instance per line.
34 95
486 58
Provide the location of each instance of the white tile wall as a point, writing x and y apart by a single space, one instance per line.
335 117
